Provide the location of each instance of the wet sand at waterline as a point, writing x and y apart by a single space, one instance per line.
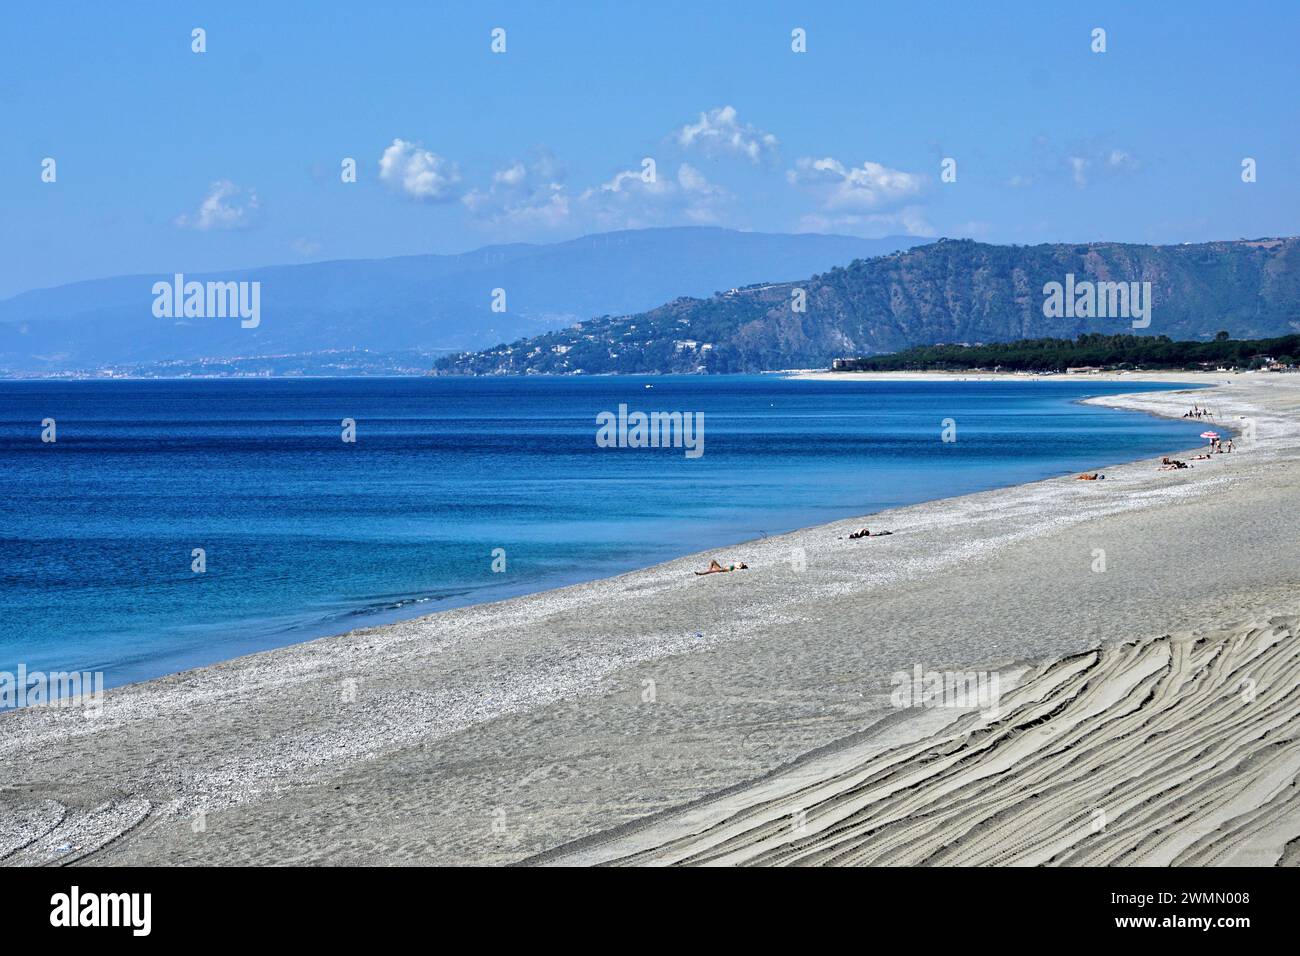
662 717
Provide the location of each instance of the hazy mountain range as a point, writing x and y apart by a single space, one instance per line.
950 291
368 316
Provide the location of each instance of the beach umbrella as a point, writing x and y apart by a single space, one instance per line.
1209 434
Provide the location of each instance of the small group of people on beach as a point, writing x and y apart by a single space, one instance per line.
1217 447
1198 412
716 568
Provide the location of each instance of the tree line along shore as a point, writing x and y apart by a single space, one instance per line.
1090 352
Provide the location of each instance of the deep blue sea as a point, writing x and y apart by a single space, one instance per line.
306 535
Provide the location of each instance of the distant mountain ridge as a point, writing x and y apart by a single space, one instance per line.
949 291
427 303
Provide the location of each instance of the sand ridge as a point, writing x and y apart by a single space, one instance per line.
1172 750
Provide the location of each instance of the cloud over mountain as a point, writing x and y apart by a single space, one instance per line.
417 172
720 131
226 206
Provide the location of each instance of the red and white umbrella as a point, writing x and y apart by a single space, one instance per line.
1209 434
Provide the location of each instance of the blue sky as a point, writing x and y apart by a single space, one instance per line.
170 160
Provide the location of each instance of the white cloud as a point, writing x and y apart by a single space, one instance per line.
626 201
1105 162
512 175
529 195
868 187
1078 170
693 181
909 220
526 194
632 181
1121 160
226 206
1082 163
547 207
417 172
629 200
719 131
703 199
914 222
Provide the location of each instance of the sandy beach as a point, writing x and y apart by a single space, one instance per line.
1149 707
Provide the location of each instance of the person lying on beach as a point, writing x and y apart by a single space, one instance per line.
866 533
715 568
1095 476
1173 464
1199 457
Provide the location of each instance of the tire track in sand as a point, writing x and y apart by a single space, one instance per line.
1178 750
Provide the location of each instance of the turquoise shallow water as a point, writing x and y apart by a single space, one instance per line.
307 535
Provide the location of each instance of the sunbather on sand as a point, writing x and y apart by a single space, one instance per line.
1094 476
867 533
715 568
